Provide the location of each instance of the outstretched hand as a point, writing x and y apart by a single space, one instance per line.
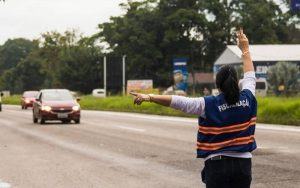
139 98
242 41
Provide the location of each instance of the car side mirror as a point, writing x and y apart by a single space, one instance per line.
78 99
37 100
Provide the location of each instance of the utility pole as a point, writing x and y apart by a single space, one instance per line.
104 74
124 76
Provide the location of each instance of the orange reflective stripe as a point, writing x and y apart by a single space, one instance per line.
236 141
218 147
227 127
215 132
232 128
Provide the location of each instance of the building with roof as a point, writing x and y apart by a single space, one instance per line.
200 81
263 57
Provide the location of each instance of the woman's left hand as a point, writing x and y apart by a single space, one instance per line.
242 41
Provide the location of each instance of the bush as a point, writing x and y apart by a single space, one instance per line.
14 99
279 110
284 74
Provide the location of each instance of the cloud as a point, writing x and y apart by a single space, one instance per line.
30 18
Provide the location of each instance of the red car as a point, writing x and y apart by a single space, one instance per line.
56 104
28 98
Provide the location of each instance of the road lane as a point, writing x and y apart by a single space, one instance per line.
127 150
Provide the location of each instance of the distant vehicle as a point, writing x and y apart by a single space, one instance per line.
6 93
261 87
56 104
1 94
28 98
99 93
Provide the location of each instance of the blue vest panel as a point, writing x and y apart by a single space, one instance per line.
227 127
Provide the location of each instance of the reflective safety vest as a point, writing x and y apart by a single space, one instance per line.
227 127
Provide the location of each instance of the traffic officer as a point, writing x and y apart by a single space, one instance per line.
226 123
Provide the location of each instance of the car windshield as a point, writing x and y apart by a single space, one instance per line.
30 94
57 95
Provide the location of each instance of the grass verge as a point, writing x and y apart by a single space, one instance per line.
279 110
275 110
125 104
14 100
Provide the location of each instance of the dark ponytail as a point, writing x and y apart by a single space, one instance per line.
227 82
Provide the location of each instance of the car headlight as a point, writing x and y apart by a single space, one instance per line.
27 100
76 108
46 108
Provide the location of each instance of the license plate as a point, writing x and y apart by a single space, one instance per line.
62 115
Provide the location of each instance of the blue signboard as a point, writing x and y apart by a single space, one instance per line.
295 5
180 73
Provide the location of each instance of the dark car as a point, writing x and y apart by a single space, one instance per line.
56 104
28 99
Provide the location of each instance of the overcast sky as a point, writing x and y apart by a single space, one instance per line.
30 18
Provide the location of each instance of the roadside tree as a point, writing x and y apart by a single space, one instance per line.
283 78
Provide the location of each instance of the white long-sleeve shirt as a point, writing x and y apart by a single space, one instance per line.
196 106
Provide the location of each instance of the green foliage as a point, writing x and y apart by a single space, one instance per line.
13 100
26 75
15 50
71 59
279 110
56 61
152 33
285 74
11 53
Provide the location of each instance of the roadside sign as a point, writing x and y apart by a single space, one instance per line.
145 86
180 73
295 5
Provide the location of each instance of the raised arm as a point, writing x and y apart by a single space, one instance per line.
249 80
243 44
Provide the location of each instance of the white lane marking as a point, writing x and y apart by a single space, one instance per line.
146 116
4 185
193 120
278 127
262 147
285 150
131 129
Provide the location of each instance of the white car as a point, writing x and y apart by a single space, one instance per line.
261 87
99 93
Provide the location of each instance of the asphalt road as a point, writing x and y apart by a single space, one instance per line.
127 150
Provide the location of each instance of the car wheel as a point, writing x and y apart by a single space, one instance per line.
25 107
22 107
77 121
66 121
42 121
0 107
